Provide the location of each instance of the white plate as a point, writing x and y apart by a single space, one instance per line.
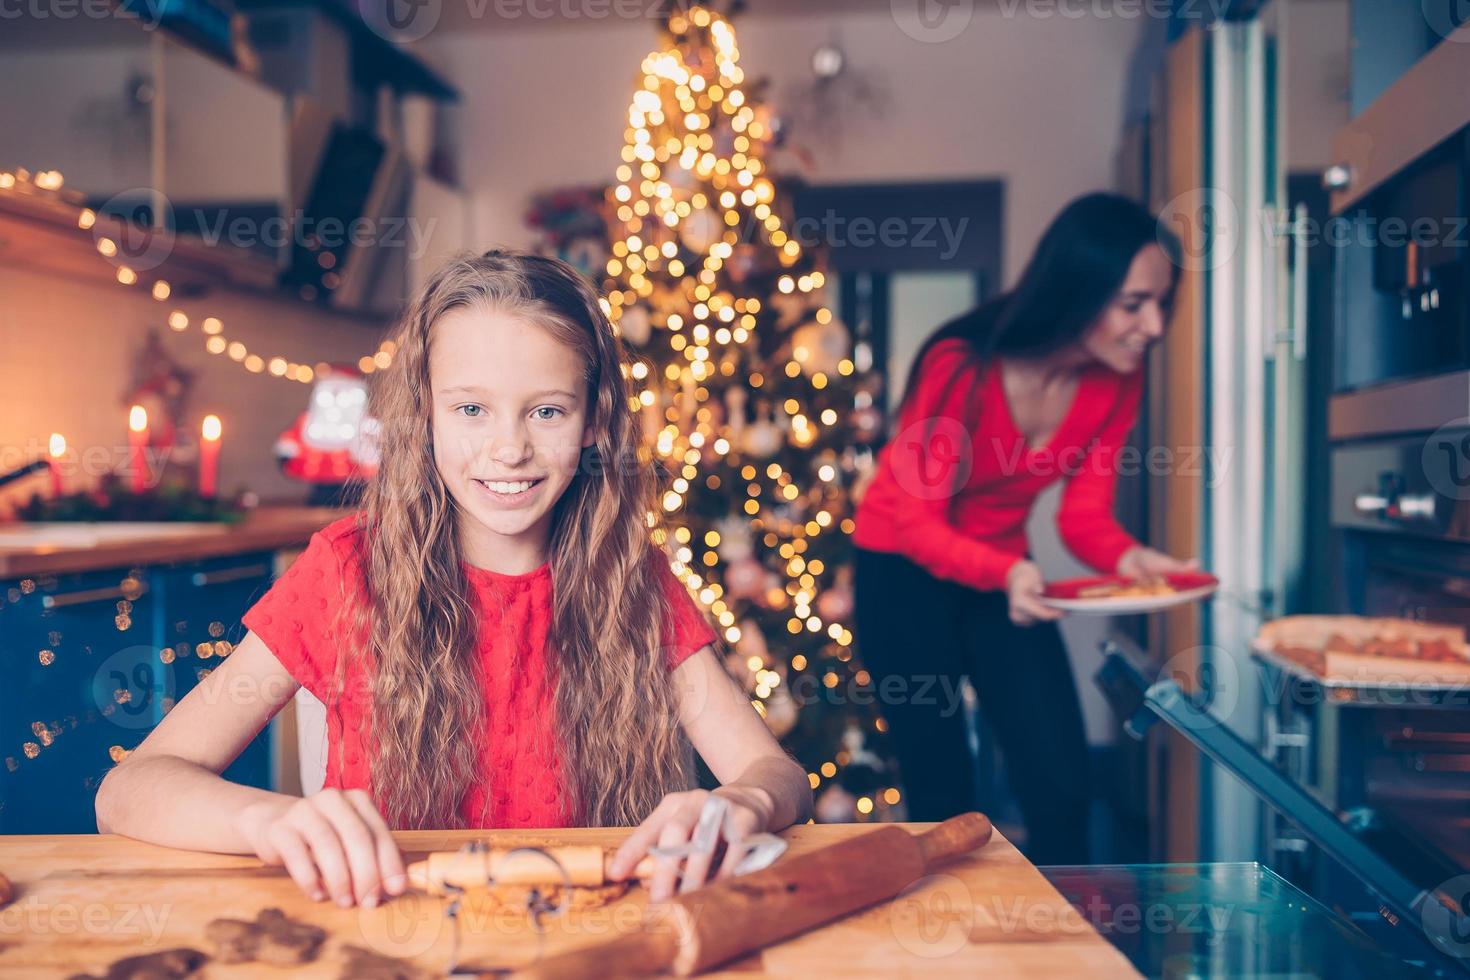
1125 604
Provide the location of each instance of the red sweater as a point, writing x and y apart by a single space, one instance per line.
956 501
518 744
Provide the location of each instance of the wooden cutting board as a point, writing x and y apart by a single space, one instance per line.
84 901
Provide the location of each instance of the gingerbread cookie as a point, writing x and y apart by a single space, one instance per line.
271 938
168 964
7 891
364 964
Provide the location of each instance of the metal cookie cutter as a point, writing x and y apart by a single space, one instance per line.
537 907
762 849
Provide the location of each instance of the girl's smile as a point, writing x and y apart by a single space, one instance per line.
1136 317
510 422
511 493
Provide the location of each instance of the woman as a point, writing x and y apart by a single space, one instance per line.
1041 384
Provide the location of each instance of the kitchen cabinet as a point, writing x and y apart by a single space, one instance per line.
92 662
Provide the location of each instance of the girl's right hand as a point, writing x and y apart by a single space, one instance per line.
334 842
1024 584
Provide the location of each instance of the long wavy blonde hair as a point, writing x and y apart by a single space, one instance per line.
620 746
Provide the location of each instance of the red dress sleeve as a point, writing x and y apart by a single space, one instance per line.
295 616
686 630
1085 519
926 463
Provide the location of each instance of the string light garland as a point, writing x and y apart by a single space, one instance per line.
50 183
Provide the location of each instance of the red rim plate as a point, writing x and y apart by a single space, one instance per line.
1073 587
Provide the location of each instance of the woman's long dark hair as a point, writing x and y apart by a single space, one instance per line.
1077 269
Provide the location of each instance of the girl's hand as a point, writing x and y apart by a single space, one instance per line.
1146 563
1024 585
333 842
672 823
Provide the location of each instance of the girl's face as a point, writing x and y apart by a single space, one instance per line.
1136 316
510 420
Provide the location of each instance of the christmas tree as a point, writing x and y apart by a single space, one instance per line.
752 406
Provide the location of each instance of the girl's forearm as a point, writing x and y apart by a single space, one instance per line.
167 800
787 786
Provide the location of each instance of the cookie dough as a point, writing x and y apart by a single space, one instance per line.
498 898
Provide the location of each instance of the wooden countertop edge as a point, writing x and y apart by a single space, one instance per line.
33 861
261 531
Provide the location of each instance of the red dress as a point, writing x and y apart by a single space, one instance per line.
955 485
296 619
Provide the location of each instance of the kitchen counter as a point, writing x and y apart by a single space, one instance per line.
84 901
56 548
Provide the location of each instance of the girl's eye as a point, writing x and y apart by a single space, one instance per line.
546 413
471 411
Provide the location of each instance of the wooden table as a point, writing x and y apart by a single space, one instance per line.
84 901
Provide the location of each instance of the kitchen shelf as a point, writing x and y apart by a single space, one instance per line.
374 57
41 232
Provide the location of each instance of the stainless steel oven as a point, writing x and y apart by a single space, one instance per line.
1392 758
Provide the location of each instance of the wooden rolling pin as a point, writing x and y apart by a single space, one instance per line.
694 932
585 864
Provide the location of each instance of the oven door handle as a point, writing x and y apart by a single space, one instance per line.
1299 282
1272 225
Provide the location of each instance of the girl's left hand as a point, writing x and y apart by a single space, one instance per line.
1146 563
672 823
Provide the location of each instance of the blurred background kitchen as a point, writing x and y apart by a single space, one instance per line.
211 211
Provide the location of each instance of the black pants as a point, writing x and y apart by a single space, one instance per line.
917 636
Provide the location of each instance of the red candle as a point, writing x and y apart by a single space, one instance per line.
137 446
58 449
209 456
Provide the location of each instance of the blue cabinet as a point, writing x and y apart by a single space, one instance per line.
200 606
61 640
92 662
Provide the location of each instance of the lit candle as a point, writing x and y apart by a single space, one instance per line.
58 449
137 444
209 456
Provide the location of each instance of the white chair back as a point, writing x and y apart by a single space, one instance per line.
311 741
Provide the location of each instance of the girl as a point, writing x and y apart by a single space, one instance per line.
496 639
1039 385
